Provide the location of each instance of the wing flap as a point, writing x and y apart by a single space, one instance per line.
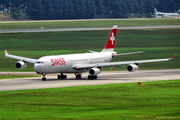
84 66
128 53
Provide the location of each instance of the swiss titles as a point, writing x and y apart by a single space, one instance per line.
58 61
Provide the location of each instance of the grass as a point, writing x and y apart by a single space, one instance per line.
5 17
156 43
14 76
88 23
153 100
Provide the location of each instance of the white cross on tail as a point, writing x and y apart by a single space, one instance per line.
112 38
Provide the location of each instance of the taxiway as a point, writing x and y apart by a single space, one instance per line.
106 77
86 29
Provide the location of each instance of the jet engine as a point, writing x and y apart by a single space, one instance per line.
94 71
132 67
21 65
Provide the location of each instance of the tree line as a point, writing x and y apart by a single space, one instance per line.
87 9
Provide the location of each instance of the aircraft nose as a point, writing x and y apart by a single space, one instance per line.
37 68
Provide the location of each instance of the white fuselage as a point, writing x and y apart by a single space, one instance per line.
65 63
167 14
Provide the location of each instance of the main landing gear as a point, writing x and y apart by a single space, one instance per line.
62 76
59 76
78 75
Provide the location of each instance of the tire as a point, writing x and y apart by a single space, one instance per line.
59 77
79 76
65 76
89 77
43 79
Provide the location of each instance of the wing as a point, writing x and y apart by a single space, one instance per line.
20 58
83 66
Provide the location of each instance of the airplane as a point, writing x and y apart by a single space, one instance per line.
91 62
165 15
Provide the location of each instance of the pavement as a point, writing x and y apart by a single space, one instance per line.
86 29
105 77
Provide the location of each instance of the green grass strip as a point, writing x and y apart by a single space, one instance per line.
87 23
156 44
152 100
14 76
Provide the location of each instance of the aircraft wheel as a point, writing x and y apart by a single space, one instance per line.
65 76
59 77
62 77
44 79
78 76
89 77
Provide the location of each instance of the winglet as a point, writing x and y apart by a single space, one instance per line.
173 56
6 53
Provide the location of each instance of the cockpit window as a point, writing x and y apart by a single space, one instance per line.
39 62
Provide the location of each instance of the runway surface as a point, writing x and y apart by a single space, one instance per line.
86 29
107 77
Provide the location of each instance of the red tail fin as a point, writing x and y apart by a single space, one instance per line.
111 40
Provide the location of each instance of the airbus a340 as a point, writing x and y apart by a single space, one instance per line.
79 63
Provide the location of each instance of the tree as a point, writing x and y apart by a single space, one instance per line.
79 8
36 10
48 8
99 7
141 6
149 7
83 9
89 9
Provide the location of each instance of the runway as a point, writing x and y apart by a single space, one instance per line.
86 29
106 77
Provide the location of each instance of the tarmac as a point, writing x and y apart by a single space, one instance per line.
86 29
105 77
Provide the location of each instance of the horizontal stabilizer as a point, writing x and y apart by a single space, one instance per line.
92 51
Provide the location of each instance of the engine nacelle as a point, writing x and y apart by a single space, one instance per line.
21 65
132 67
94 71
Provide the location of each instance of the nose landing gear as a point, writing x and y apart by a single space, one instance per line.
44 77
